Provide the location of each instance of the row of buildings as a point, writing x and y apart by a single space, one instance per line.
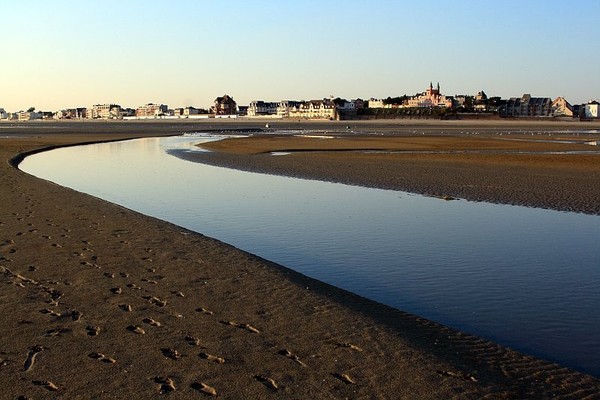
431 98
330 108
223 106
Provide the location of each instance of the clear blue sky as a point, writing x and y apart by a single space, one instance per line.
59 54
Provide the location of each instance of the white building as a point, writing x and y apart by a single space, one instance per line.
314 109
151 110
3 114
376 103
561 108
29 115
284 107
590 110
105 111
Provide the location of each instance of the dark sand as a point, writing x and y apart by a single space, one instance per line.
83 283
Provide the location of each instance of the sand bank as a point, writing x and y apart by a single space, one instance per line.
534 171
98 301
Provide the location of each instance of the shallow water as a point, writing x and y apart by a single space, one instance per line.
524 277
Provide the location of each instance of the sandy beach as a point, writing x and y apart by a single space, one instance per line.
98 301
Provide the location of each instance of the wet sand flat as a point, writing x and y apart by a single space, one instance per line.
521 169
98 301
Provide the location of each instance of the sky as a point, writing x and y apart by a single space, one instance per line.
63 54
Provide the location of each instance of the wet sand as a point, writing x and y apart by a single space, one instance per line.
98 301
515 169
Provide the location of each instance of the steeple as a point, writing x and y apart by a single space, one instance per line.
438 87
430 85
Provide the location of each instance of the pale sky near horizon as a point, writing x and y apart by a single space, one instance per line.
62 54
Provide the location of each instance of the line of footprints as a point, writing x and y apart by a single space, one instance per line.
165 384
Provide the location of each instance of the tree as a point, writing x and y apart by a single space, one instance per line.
31 109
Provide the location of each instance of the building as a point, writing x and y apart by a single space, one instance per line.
314 109
105 111
28 115
284 107
189 110
242 111
47 114
224 106
260 108
526 106
3 114
590 110
429 99
151 110
71 113
480 102
375 103
561 108
344 105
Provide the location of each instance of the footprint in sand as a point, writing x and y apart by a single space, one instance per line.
57 332
349 346
125 307
268 382
171 353
33 352
247 327
156 301
133 286
344 378
204 388
102 357
92 330
207 312
109 275
178 294
89 264
467 377
151 322
166 385
46 385
136 329
291 356
116 290
55 294
76 315
210 357
123 274
192 341
50 312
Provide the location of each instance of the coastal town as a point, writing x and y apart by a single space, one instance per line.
430 103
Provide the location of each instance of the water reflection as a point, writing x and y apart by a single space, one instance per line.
524 277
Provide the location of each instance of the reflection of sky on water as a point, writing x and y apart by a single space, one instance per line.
524 277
